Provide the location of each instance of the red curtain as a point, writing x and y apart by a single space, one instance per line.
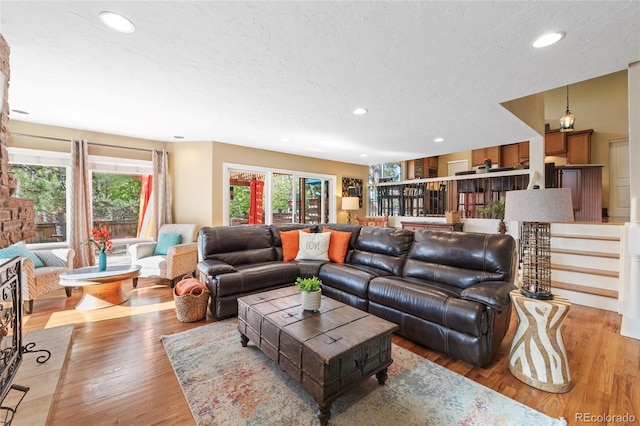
145 194
255 201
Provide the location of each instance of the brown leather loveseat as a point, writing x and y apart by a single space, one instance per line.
448 291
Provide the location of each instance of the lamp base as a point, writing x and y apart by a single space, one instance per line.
538 296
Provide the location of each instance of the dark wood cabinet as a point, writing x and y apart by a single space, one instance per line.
437 226
478 155
555 143
579 147
585 182
575 146
422 168
523 151
418 168
510 155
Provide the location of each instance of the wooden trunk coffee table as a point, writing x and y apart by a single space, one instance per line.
328 351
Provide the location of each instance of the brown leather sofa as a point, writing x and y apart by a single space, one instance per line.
448 291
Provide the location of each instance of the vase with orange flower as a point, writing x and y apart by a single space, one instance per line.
102 241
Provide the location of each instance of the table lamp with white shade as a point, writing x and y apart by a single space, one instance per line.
537 209
350 204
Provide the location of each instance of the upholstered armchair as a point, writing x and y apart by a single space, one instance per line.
180 259
37 282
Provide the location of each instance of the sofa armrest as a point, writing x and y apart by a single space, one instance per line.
181 260
140 250
212 267
494 294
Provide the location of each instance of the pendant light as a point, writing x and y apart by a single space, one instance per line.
567 120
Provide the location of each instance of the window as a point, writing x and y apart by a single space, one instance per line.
47 187
386 172
116 202
119 192
380 173
257 195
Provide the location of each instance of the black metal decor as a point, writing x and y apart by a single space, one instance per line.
11 344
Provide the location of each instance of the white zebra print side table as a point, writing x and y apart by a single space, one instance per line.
538 357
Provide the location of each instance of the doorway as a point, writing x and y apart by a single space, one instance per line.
619 192
454 167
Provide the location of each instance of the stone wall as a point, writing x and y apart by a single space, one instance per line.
17 215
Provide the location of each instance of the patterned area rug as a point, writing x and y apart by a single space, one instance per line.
226 384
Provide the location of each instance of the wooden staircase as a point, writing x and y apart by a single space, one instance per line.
585 263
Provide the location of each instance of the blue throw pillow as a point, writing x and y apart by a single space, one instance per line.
20 249
165 241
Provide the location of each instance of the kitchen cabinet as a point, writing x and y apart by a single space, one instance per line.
555 143
418 168
575 146
492 152
510 155
579 147
422 168
523 151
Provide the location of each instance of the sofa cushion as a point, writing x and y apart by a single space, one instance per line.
291 243
237 245
152 266
342 227
165 241
338 245
251 278
382 248
460 259
432 302
313 246
352 279
275 230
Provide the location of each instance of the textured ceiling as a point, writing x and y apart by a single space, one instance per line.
255 73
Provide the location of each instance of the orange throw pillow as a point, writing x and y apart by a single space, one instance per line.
291 243
338 245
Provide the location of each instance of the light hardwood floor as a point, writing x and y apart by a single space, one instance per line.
118 372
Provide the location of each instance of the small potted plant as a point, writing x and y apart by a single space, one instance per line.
495 210
311 293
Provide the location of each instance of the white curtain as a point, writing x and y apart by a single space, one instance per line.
161 192
80 214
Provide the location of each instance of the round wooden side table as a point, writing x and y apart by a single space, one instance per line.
538 357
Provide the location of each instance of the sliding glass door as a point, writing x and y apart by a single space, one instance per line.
259 196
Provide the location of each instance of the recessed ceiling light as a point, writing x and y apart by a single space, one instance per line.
117 22
548 39
438 140
19 111
360 111
178 137
363 155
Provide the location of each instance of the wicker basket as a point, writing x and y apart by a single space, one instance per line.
192 306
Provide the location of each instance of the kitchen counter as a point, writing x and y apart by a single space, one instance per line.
579 166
